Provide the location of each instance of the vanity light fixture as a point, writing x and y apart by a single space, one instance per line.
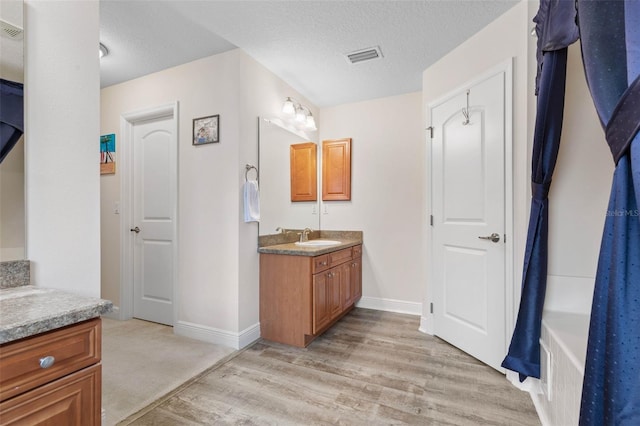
103 51
300 113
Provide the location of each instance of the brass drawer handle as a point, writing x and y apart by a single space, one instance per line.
47 361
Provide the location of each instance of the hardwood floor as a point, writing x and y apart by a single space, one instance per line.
371 368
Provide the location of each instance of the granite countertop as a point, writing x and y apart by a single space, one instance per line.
296 250
28 310
286 243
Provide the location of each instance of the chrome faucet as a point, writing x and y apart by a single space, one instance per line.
304 236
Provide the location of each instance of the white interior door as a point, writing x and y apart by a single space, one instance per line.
468 206
154 211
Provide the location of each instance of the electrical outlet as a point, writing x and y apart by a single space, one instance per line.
116 208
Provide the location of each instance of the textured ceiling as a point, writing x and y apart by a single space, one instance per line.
303 42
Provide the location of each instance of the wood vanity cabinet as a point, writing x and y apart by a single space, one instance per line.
68 392
304 182
336 170
302 296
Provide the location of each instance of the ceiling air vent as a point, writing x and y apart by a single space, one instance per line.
362 55
10 30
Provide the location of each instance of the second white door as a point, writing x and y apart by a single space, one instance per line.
468 204
154 210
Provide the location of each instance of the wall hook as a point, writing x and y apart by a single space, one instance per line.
465 111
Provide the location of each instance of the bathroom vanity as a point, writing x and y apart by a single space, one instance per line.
306 289
50 353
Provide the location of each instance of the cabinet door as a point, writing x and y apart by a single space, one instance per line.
347 286
336 278
73 400
336 170
304 181
321 311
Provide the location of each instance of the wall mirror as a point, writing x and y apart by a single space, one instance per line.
276 208
12 197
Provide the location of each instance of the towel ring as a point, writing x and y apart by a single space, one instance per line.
248 168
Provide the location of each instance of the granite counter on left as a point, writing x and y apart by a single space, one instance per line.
28 310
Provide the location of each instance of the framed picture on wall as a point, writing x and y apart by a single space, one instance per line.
108 154
206 130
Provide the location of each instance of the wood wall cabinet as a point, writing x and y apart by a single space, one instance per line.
304 181
336 170
302 296
68 392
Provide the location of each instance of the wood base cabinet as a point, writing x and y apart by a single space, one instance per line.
54 378
301 296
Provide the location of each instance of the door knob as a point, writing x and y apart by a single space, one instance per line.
495 237
136 230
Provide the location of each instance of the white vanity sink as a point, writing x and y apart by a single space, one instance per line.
317 243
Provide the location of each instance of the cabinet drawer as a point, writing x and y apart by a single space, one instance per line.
71 400
340 256
357 251
320 263
72 348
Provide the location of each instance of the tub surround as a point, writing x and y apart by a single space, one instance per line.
285 243
14 273
29 310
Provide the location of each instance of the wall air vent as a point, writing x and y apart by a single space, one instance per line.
10 31
362 55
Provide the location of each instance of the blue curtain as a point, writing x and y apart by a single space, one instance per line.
11 115
555 28
610 35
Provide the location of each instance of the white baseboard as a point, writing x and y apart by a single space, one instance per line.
219 337
390 305
114 314
426 325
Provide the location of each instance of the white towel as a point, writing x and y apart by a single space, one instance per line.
251 201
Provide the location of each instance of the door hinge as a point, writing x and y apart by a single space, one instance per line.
431 308
430 129
431 220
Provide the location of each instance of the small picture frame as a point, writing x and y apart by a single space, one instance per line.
206 130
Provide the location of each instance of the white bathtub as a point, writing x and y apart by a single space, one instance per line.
563 348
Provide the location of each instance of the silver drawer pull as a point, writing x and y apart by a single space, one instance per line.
47 361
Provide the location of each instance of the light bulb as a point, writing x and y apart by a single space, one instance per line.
301 116
288 107
311 123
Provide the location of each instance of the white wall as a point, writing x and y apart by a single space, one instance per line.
218 260
387 192
62 89
261 93
578 197
12 226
